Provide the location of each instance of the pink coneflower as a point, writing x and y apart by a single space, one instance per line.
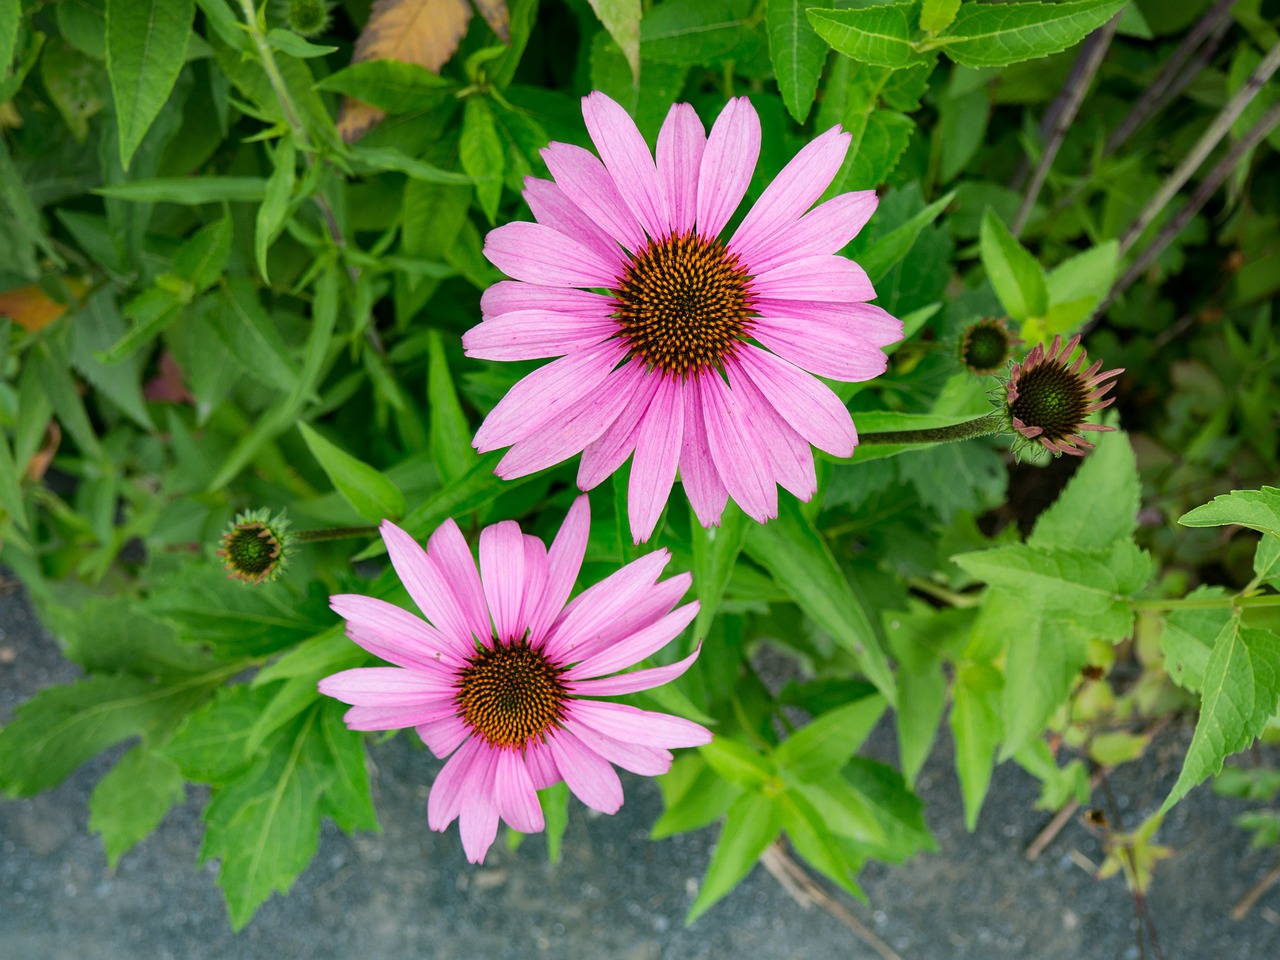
1048 398
501 674
681 347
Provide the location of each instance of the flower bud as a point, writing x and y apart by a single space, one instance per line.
255 547
1047 398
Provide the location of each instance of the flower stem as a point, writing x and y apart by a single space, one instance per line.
1208 603
334 533
980 427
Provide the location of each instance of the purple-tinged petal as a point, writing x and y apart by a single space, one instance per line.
698 474
572 431
541 766
633 725
650 607
626 156
846 358
633 682
426 584
604 455
646 761
502 573
387 687
789 455
517 799
801 400
828 279
741 463
542 256
478 817
444 736
587 183
681 143
791 193
653 470
727 165
545 394
563 563
508 296
397 718
449 551
550 206
599 606
587 773
535 579
865 321
825 229
633 649
394 634
451 789
535 335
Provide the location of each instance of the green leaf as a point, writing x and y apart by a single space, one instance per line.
622 19
10 487
188 190
647 101
451 449
390 85
1256 509
689 32
885 253
994 35
753 822
286 41
146 46
1266 561
109 634
130 801
554 801
1014 273
368 490
1188 636
275 202
53 371
962 126
1043 659
937 15
975 727
389 158
827 743
922 697
797 53
61 727
482 155
715 554
1241 692
1087 276
814 841
695 796
737 763
1099 504
879 35
249 332
10 18
212 743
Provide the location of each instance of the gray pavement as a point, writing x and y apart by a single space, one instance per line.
408 892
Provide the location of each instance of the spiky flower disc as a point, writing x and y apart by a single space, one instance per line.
254 548
1048 398
985 346
308 18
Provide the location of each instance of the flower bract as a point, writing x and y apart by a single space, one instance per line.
682 345
505 671
255 546
1048 398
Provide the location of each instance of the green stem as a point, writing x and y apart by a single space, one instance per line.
984 426
1207 603
334 533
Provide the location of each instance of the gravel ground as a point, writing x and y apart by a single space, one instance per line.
408 892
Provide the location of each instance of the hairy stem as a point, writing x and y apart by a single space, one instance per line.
984 426
334 533
1208 603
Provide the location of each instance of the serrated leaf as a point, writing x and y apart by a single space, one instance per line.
1099 504
1266 561
130 801
110 634
827 743
797 53
248 330
975 727
690 32
753 822
879 35
622 19
1241 692
212 743
1043 659
937 15
1086 277
482 155
799 560
995 35
1015 274
370 493
1256 509
146 46
1188 635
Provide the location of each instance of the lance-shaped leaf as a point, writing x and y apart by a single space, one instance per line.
622 19
754 820
146 45
975 727
1015 274
1099 504
371 494
1256 509
997 34
797 53
878 35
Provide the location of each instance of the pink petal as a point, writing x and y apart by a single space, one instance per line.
375 642
397 718
508 296
541 766
587 773
865 321
535 579
681 143
563 564
698 474
478 818
449 551
646 761
825 229
572 431
587 183
443 736
395 635
801 400
633 725
727 165
829 279
626 156
643 643
387 687
647 609
539 255
535 335
551 207
545 394
609 451
502 573
601 605
818 351
635 681
791 193
426 584
517 799
789 455
452 786
653 470
741 463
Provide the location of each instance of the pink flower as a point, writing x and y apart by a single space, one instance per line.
695 356
501 674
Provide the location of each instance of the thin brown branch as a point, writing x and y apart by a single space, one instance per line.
1060 820
1241 909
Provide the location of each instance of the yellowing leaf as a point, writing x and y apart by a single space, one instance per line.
33 309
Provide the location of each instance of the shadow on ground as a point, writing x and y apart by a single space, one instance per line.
408 892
